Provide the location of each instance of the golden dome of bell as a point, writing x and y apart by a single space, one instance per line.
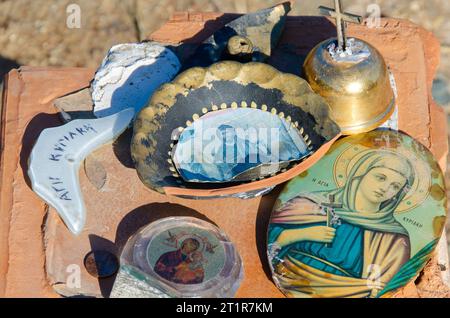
355 83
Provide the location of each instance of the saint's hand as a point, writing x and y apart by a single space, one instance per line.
322 234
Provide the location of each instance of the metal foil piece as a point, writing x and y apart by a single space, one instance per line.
251 36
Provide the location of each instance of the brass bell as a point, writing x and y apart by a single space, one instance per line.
356 86
352 77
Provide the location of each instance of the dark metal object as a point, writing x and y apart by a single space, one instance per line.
101 264
261 29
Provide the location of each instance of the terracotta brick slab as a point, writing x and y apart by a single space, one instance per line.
35 247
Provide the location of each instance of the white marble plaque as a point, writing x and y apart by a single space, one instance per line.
56 157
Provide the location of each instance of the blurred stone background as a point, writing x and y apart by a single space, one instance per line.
35 32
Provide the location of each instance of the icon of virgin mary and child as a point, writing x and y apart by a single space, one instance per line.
312 258
184 265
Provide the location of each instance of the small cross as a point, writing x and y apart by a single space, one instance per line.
329 208
341 18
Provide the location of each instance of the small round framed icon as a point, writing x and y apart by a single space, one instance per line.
183 257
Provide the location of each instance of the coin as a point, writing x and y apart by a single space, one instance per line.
101 264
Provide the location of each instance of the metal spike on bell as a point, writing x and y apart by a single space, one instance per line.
352 76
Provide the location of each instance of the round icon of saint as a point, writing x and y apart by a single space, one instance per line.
186 255
184 265
362 222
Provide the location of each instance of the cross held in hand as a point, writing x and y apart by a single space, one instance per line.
341 18
330 206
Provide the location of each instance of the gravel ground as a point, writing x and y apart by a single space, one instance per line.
35 32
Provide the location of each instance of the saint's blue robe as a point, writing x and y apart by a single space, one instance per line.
342 257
